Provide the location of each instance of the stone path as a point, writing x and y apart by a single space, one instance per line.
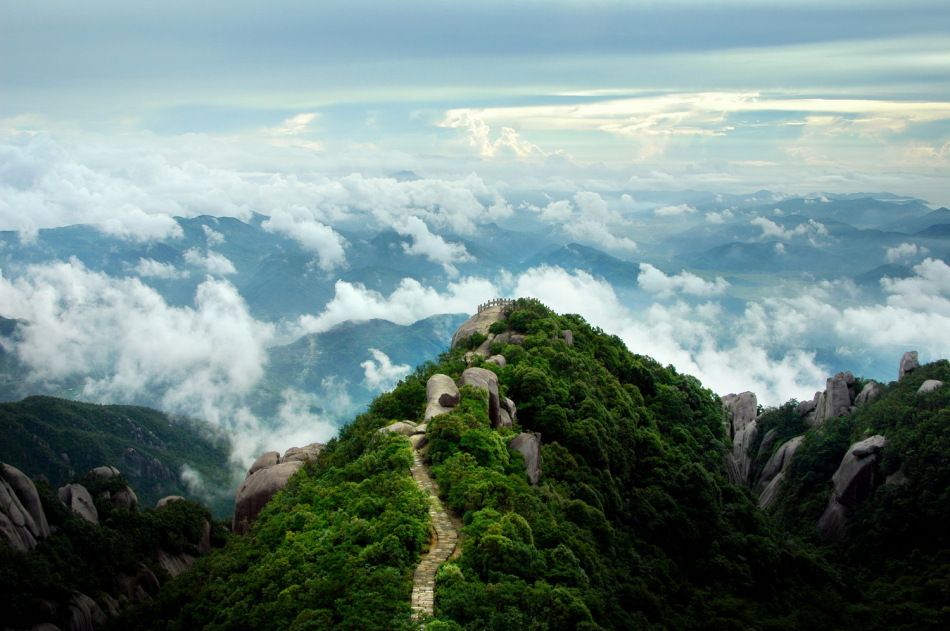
441 548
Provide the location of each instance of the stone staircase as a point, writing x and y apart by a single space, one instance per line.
423 579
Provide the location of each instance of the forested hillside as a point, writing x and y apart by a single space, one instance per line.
632 524
158 454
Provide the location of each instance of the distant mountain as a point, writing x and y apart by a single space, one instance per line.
862 213
873 277
156 452
912 225
575 256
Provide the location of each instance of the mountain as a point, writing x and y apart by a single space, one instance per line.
575 256
914 225
159 454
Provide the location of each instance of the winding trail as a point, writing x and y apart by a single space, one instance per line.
446 536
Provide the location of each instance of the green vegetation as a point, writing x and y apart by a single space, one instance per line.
89 558
58 439
631 526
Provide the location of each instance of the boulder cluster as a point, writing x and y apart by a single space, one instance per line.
24 523
857 476
268 475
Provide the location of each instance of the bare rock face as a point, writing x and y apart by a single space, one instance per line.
804 408
257 490
836 400
479 323
740 425
442 395
78 499
909 363
267 459
84 613
869 392
405 428
529 445
853 482
509 337
929 386
498 360
484 379
174 564
167 500
568 336
302 454
24 491
778 463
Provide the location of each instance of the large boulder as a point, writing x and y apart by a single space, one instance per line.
405 428
909 363
84 613
484 379
869 392
740 425
479 323
929 386
853 482
441 394
18 526
266 459
778 462
836 400
529 446
78 499
257 490
25 491
302 454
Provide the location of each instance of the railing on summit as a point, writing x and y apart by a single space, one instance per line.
495 303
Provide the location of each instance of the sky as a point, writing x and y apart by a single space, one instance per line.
126 115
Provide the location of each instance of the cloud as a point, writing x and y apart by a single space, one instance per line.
656 282
508 142
674 211
213 262
928 291
150 268
124 343
810 229
313 235
213 236
905 251
432 246
380 374
720 217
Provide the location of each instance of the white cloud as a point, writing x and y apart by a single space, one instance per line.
674 211
905 251
313 235
810 229
212 262
380 374
150 268
928 291
720 217
432 246
213 236
656 282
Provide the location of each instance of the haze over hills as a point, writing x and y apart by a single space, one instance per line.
210 316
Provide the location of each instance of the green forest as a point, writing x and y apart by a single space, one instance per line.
631 526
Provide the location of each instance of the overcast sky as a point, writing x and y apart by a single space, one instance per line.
840 95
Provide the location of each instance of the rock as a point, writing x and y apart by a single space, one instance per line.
504 420
484 379
869 392
909 363
510 406
804 408
106 472
778 462
302 454
268 459
167 499
853 482
479 323
742 409
174 564
509 337
46 626
405 428
147 580
898 478
529 445
257 490
125 498
836 400
568 336
742 463
929 386
441 394
418 441
84 613
498 360
78 499
770 492
25 491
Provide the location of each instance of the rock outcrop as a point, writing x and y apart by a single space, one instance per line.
484 379
740 424
479 323
837 399
264 480
929 386
22 520
854 481
869 392
442 395
78 499
774 472
909 363
529 445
